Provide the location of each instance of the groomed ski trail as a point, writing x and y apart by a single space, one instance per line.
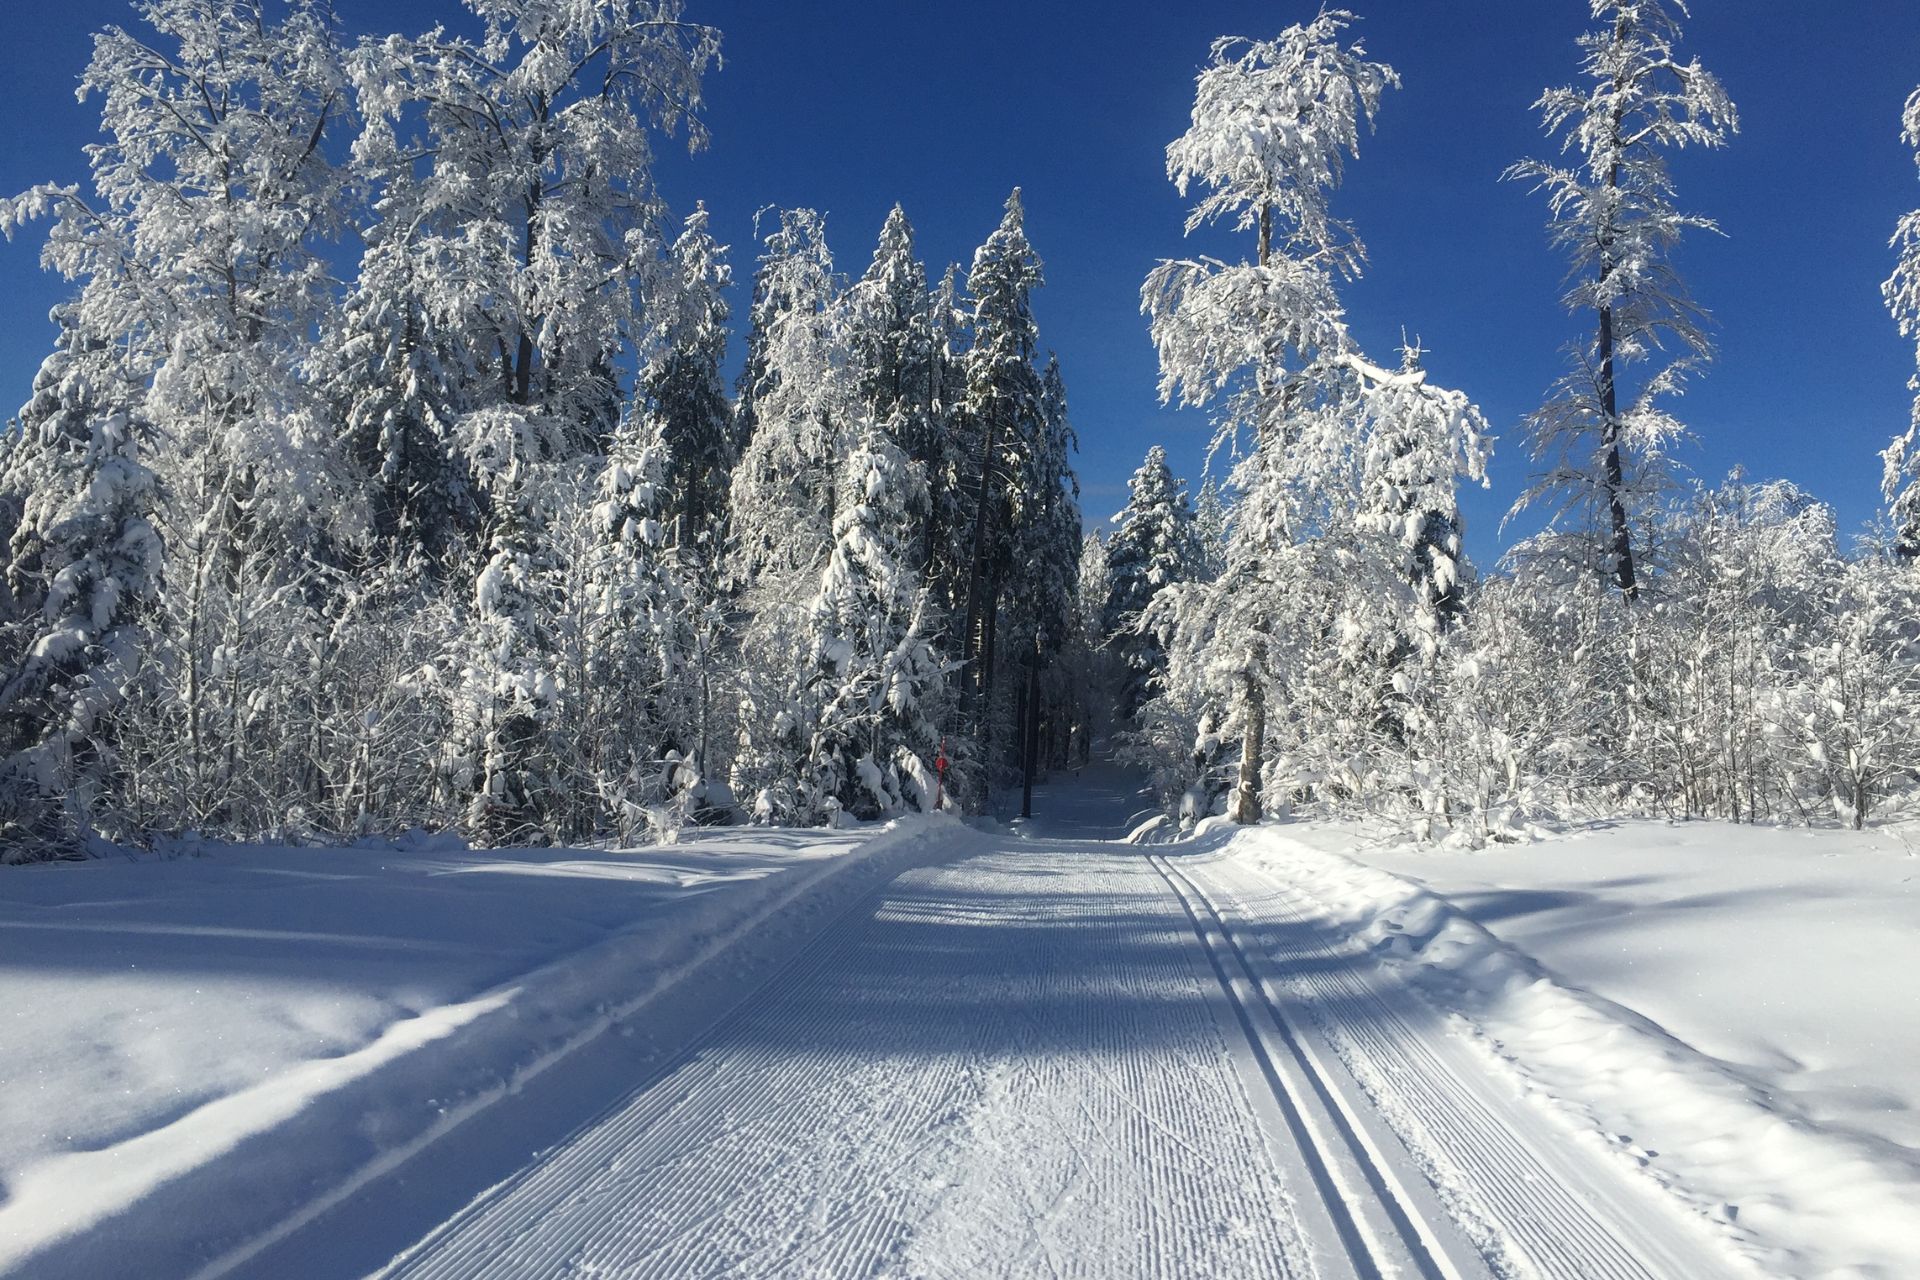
1071 1058
1013 1066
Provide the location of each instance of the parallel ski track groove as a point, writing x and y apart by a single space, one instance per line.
1534 1214
1339 1201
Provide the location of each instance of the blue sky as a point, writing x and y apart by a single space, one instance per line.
849 105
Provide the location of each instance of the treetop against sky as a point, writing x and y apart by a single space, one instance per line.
849 106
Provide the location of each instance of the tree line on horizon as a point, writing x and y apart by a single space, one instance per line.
481 537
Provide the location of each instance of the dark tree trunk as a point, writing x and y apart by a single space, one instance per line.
973 683
1030 700
1246 796
1621 546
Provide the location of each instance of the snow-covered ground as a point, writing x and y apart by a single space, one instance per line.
943 1051
1732 1008
194 1048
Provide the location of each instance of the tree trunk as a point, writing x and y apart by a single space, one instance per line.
1030 700
1621 547
1246 808
1246 796
972 681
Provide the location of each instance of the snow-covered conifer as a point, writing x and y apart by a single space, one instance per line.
506 698
1153 548
1044 588
1210 529
891 338
1086 663
682 383
622 716
1004 410
871 748
1419 438
398 381
951 454
83 567
805 405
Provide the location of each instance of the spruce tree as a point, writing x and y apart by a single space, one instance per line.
681 382
1154 547
83 567
872 747
1005 414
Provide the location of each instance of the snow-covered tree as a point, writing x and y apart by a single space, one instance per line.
1419 439
1004 411
1210 529
1046 504
891 337
201 264
1086 663
682 383
1153 548
618 639
806 414
951 456
398 381
805 405
1044 588
1901 476
1854 714
871 748
1615 214
507 693
519 168
1272 124
83 567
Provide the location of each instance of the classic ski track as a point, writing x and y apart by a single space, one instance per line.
1379 1223
1069 1108
1550 1209
1063 1059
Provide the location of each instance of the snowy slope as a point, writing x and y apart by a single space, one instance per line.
1729 1009
201 1049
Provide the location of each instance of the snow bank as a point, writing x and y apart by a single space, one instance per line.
1800 1197
210 1051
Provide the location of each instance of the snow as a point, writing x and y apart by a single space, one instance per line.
342 1005
1728 1007
929 1049
1059 1056
996 1070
